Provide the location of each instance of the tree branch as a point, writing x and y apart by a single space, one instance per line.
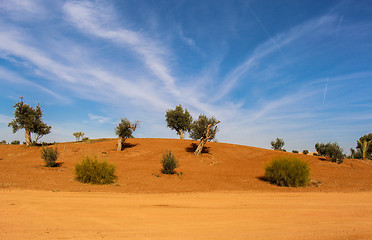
208 128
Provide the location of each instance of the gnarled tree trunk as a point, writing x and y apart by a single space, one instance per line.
200 147
204 140
28 137
120 143
181 134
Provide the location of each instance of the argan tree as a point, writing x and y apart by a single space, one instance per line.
178 119
30 119
78 135
331 150
278 144
204 129
364 144
124 130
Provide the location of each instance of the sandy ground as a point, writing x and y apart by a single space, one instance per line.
218 195
215 215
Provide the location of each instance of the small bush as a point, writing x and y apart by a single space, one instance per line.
305 152
3 142
287 171
85 139
294 151
90 170
169 163
15 142
50 156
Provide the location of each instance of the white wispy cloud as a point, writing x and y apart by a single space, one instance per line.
100 119
90 81
99 20
190 42
318 26
6 75
22 9
4 119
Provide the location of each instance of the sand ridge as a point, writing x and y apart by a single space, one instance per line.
225 167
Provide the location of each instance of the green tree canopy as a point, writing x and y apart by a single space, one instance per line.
364 145
278 144
78 135
198 128
30 119
331 150
125 130
178 119
204 129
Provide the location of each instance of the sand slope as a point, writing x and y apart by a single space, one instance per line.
224 167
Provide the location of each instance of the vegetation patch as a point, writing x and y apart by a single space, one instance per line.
330 150
90 170
169 163
50 156
288 172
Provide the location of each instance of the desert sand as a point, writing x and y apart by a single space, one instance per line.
218 195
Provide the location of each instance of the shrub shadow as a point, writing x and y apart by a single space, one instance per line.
58 164
263 179
194 146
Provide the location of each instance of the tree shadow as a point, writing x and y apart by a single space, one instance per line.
194 146
324 159
129 145
43 144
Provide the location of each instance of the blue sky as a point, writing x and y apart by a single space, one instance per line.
298 70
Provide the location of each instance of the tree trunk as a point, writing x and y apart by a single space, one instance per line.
120 144
181 134
200 147
28 137
364 148
204 140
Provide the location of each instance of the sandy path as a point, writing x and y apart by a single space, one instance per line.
217 215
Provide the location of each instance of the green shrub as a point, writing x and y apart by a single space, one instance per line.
169 163
305 152
50 156
15 142
90 170
294 151
287 171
